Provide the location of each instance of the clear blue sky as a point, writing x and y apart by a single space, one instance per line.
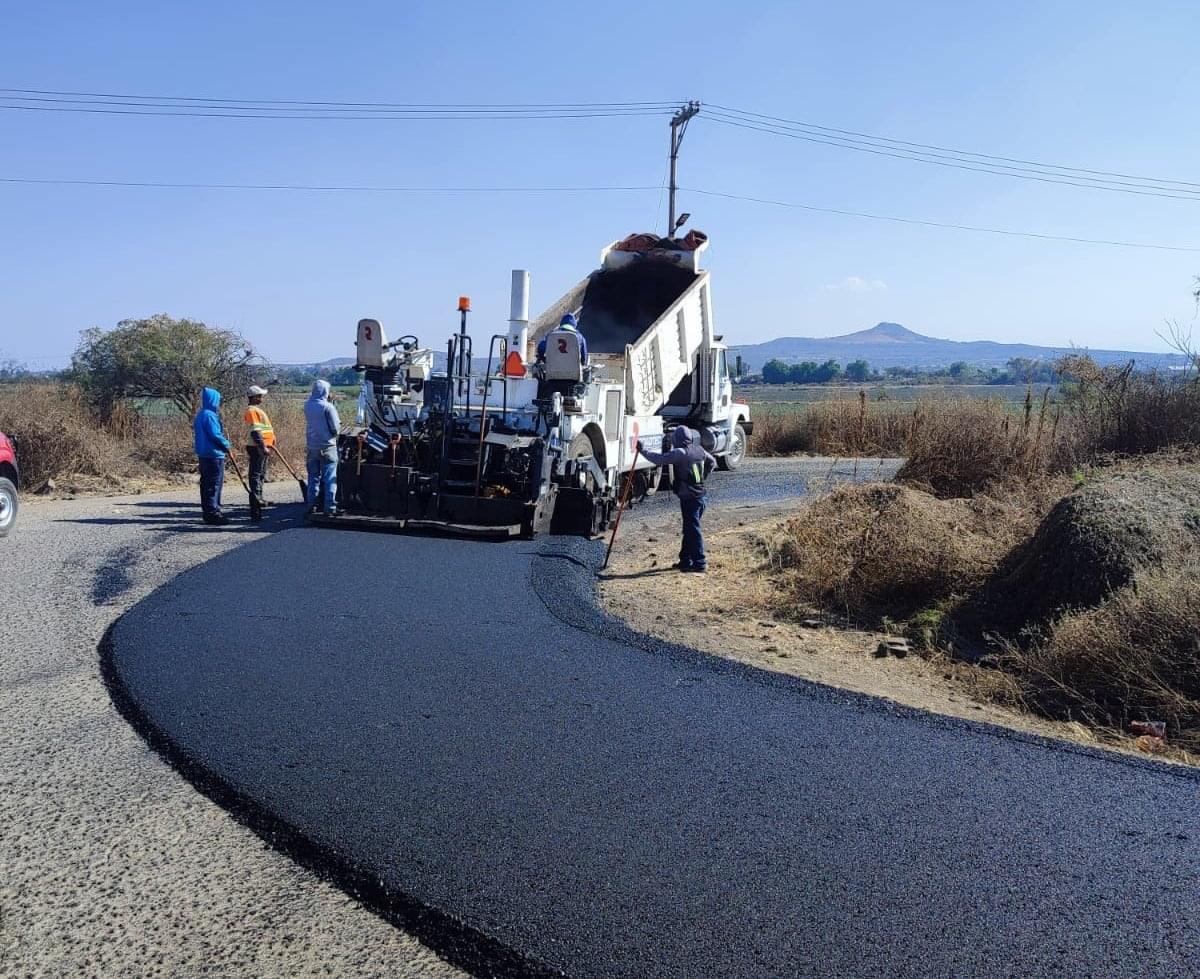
1105 85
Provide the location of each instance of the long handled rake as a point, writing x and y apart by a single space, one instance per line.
621 509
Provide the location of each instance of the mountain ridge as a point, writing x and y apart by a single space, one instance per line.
893 345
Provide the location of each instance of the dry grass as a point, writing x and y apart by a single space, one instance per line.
847 426
59 436
882 551
965 447
56 434
1134 657
1119 411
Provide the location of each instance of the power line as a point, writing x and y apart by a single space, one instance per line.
1087 183
427 117
338 188
942 224
929 146
669 104
36 100
642 188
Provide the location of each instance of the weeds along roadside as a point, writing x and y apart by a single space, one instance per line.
59 436
1091 504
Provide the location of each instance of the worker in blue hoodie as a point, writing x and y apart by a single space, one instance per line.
690 465
321 424
211 449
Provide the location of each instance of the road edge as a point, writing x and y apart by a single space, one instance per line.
453 940
583 610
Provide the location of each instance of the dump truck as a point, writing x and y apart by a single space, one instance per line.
535 437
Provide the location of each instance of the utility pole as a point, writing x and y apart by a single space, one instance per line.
679 123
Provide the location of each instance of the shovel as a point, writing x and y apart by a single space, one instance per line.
238 469
288 466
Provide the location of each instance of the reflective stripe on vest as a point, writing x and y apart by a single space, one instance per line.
258 421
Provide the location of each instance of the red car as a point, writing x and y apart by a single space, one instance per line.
10 482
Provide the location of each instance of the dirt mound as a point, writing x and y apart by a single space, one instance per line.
882 550
1093 542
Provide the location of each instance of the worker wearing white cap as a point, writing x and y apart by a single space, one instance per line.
261 445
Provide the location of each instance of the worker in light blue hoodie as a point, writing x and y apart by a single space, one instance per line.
212 447
321 424
690 465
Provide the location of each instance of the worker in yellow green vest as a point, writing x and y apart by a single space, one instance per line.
262 444
690 465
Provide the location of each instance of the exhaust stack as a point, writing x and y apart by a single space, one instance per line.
518 315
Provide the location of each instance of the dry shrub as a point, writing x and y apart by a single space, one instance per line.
845 426
885 551
1120 410
966 446
1136 657
57 434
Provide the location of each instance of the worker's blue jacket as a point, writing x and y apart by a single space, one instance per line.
211 442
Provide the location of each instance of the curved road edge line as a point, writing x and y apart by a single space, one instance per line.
582 610
457 943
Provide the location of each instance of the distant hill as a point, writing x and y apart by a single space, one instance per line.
893 345
333 363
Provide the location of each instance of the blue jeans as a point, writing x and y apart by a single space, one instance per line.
691 553
212 478
322 471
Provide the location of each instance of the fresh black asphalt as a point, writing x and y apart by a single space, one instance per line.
453 730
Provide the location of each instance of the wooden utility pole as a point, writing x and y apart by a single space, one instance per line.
679 123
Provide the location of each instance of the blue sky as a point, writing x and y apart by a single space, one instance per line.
1104 85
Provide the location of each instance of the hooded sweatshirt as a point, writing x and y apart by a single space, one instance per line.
320 418
211 442
688 460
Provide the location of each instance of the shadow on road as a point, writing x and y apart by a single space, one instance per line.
665 569
186 519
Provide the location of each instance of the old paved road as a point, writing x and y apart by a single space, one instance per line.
463 734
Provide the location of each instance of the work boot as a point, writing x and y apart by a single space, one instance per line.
695 569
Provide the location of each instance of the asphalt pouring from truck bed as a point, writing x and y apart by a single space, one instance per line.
465 728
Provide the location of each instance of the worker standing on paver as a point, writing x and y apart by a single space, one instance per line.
212 447
258 449
568 324
690 465
322 426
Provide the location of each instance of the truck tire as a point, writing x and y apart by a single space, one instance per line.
581 447
8 506
737 450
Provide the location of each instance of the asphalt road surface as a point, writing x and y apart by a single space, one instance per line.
454 732
111 864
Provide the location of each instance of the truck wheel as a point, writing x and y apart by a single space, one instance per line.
581 448
737 450
8 506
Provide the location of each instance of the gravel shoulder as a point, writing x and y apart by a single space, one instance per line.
113 864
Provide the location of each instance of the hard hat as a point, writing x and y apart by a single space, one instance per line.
568 320
256 391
